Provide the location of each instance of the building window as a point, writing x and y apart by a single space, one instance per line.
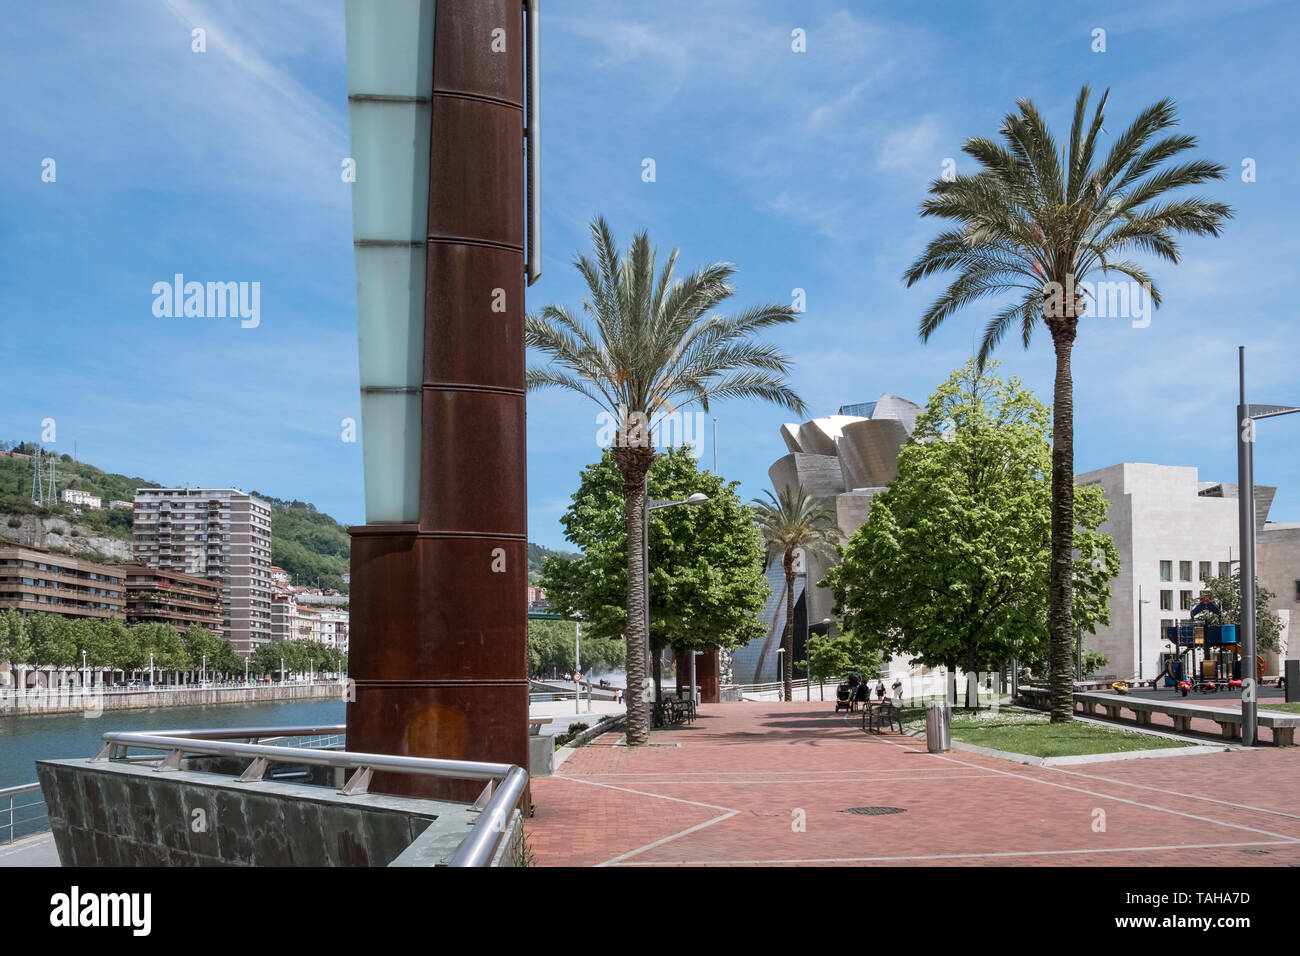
1184 570
1225 569
1205 570
1166 600
1166 570
1185 600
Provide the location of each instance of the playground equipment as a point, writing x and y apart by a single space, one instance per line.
1220 657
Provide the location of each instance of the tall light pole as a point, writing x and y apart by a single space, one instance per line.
780 669
1140 603
151 670
577 666
1247 415
83 672
654 504
807 639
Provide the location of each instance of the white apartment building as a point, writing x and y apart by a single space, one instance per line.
72 496
291 621
222 534
1174 532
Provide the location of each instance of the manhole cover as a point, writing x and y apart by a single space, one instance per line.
873 811
1256 852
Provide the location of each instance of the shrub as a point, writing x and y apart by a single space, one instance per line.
15 522
576 728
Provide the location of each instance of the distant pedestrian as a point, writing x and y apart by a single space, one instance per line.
898 688
880 690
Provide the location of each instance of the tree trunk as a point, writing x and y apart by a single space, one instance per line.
633 462
1060 629
787 665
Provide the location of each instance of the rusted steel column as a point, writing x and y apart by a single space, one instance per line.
439 608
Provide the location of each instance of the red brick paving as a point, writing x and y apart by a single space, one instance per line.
729 789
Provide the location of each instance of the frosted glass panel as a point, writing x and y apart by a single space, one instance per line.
390 47
390 314
390 445
390 143
390 54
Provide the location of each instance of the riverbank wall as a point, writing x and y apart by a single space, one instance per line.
96 701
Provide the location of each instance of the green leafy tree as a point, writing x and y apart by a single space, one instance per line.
828 657
1038 220
953 564
651 346
706 586
788 524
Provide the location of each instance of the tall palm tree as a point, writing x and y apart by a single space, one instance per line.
1037 221
788 524
648 347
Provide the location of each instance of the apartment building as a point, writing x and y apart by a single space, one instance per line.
156 596
37 581
85 499
1174 533
221 534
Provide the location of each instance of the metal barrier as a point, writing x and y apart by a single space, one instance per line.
16 793
496 804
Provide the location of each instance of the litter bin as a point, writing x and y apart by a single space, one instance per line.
938 732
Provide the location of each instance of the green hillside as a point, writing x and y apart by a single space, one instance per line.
311 546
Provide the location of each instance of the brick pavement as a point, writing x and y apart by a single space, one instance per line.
732 789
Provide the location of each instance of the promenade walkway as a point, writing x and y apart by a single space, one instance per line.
764 783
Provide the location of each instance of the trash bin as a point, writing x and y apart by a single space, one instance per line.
938 732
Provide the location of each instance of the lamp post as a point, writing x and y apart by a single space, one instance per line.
780 669
654 504
83 672
1140 603
577 666
1247 415
282 671
203 677
151 670
807 639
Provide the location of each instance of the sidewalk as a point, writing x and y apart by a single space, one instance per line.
763 783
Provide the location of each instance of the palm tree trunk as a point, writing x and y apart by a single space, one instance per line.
787 665
633 463
1060 607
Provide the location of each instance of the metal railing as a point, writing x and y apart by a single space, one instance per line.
38 822
495 805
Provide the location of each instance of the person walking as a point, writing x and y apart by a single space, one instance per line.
880 690
898 688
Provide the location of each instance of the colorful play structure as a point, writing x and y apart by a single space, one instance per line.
1215 648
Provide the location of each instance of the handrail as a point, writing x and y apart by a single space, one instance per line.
476 850
12 792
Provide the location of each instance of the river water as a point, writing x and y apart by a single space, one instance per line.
24 740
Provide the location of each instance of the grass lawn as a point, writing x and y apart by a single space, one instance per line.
1279 705
1033 734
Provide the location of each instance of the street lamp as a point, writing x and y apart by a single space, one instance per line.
807 638
151 670
654 504
577 666
203 677
780 670
1140 603
83 672
1247 415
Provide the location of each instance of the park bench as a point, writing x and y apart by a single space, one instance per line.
881 714
1282 725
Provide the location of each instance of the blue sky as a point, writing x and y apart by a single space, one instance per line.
804 169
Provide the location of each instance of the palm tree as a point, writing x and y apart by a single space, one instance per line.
788 524
1038 221
649 346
